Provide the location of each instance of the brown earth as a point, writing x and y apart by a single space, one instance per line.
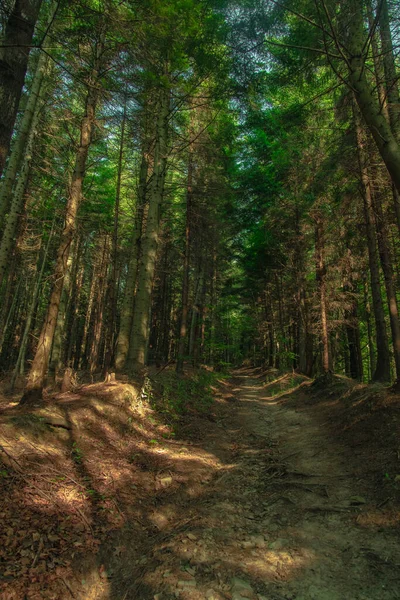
281 491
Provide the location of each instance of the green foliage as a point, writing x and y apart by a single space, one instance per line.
177 395
76 454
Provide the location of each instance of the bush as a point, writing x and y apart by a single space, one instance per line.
176 395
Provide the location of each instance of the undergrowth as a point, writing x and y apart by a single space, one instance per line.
284 383
175 395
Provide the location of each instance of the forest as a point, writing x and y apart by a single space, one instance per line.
192 190
198 181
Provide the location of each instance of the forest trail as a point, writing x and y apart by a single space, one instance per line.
282 516
261 495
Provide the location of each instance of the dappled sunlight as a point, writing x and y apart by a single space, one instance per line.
280 565
389 518
153 514
204 555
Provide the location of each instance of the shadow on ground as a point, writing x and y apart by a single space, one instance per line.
252 500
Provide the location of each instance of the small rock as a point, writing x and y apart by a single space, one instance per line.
165 481
192 536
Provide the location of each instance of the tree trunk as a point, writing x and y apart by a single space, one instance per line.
113 283
214 301
19 365
306 345
378 125
389 66
97 326
195 314
84 352
14 53
321 280
388 275
186 263
140 324
382 368
58 342
18 199
37 375
353 340
73 347
392 89
371 349
131 278
22 139
10 313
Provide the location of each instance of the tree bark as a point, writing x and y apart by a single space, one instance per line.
388 275
97 324
58 342
126 316
19 366
353 340
371 349
14 54
321 280
22 139
113 281
378 125
19 146
18 198
140 324
186 262
195 314
389 66
392 88
382 367
36 380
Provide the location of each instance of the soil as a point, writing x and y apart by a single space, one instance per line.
273 494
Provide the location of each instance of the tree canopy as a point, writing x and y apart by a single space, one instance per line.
207 182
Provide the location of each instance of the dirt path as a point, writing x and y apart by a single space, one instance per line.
267 511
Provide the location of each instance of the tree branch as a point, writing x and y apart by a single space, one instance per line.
324 52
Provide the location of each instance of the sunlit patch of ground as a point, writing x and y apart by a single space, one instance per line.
379 518
77 471
115 508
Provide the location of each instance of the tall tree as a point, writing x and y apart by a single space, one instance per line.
16 43
37 375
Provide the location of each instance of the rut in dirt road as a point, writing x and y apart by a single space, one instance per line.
278 520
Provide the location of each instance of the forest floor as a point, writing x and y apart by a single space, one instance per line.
281 490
